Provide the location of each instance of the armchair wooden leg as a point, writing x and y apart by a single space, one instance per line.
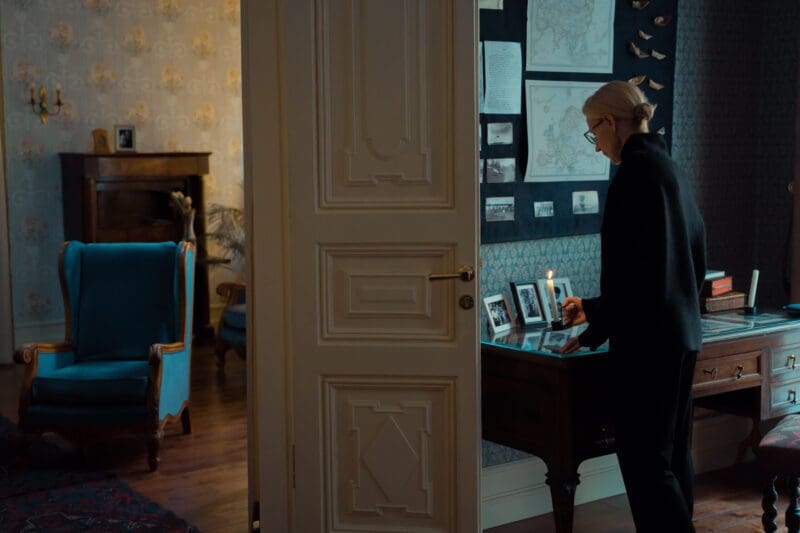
186 421
768 501
153 446
793 511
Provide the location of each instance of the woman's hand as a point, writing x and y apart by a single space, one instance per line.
572 345
572 311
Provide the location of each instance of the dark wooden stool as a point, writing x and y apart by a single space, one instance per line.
779 454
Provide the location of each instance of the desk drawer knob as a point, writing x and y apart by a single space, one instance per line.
792 361
713 372
792 397
739 370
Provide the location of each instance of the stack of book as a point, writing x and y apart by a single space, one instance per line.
717 293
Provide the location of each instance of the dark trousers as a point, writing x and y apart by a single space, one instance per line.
653 430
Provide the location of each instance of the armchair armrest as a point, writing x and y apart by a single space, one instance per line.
168 390
158 351
230 291
28 354
40 357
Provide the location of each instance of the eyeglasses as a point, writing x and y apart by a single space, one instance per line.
590 135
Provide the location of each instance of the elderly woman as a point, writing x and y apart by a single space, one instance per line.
651 270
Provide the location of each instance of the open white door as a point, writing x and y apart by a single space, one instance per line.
361 145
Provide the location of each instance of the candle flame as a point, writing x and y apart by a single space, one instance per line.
549 274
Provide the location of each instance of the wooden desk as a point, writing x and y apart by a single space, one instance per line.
125 197
554 406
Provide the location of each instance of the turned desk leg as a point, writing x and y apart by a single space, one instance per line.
562 491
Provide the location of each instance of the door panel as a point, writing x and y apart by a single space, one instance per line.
378 110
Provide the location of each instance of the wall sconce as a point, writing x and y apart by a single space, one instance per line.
40 107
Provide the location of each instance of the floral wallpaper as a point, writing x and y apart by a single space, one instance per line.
172 68
734 131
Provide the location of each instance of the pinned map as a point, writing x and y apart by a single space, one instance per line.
570 36
557 150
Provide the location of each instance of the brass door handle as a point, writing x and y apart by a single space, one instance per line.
792 361
739 370
713 372
464 273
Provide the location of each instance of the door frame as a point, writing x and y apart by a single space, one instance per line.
269 353
6 320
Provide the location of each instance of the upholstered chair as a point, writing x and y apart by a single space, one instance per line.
779 456
125 363
232 330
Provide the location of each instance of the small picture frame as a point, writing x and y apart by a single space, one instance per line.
499 313
100 142
528 302
125 138
561 287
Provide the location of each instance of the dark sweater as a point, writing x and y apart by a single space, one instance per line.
653 256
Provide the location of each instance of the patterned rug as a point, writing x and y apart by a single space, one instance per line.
43 488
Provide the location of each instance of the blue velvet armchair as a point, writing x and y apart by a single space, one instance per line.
232 330
125 364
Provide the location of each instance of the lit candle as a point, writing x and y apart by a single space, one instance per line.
551 292
751 296
42 93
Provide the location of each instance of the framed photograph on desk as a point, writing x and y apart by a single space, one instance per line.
499 313
561 288
528 302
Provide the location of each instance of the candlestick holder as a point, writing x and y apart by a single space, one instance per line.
41 107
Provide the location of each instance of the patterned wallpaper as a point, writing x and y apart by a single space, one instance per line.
172 68
734 131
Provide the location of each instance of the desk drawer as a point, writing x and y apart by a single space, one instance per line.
728 373
783 398
785 362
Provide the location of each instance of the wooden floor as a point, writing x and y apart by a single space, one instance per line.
726 500
203 476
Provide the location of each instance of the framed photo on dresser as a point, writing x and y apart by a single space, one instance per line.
499 313
561 288
528 302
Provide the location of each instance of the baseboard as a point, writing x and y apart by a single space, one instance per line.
517 490
44 331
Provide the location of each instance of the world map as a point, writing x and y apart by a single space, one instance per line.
570 35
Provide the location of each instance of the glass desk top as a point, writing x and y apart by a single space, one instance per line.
720 326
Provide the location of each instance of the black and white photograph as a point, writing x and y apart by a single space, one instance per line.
125 138
500 209
501 170
561 289
543 209
528 304
499 313
499 133
585 203
481 170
